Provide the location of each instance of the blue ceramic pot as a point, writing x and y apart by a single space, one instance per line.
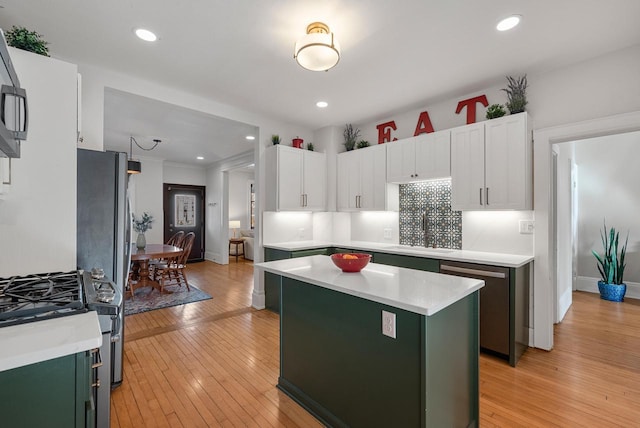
612 292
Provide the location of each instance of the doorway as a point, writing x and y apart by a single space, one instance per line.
545 292
183 207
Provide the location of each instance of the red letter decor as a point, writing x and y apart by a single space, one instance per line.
470 104
384 131
424 124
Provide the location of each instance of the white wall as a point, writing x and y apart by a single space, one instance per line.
608 189
240 197
496 232
146 196
175 173
38 213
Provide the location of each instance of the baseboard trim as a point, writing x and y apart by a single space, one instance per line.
590 284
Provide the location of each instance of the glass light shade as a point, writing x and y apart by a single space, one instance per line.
317 51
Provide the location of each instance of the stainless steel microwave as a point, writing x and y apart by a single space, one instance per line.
14 113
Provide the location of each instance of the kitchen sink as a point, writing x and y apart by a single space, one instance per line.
423 249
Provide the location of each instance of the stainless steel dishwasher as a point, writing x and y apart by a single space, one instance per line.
494 303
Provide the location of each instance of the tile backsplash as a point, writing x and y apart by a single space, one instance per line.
444 226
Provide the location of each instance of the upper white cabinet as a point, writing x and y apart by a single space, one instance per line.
361 181
491 165
423 157
295 179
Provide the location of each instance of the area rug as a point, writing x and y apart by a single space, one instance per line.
148 299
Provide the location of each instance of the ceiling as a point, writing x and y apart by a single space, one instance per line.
395 54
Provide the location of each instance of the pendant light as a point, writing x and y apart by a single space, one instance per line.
318 50
133 166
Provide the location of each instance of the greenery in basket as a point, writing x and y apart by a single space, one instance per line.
275 139
611 264
310 146
362 144
143 224
495 110
350 134
21 38
516 94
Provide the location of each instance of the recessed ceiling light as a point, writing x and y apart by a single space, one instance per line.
250 137
200 158
322 104
508 23
146 35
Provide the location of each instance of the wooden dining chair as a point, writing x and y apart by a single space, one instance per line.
172 272
176 239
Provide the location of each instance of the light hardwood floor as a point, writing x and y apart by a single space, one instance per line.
216 362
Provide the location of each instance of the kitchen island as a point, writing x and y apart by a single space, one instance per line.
337 363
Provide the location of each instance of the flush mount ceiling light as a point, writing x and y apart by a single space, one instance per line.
250 137
318 50
508 23
146 35
322 104
200 158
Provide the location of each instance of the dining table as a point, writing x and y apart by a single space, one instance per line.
141 258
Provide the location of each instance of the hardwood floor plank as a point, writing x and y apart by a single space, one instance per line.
215 363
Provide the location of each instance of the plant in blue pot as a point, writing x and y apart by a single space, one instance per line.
611 266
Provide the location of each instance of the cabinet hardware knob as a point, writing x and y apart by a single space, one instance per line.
96 365
96 384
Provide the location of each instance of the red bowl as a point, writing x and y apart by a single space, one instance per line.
351 265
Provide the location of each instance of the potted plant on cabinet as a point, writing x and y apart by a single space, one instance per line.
611 266
362 144
495 111
275 139
21 38
350 134
516 94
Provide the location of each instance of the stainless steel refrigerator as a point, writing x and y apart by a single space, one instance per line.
104 228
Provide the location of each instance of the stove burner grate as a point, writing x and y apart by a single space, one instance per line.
34 297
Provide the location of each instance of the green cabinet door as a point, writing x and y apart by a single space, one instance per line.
53 393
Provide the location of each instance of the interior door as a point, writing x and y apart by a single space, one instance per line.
184 211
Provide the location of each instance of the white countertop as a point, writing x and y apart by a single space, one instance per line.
480 257
38 341
415 291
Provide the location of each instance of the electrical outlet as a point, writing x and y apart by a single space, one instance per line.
387 233
301 233
389 324
526 227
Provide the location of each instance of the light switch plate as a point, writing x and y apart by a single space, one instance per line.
526 227
389 324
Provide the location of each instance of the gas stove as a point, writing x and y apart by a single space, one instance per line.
37 297
41 296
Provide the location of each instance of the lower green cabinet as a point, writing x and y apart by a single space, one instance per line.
418 263
338 365
272 281
54 393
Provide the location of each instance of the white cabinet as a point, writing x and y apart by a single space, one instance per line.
296 179
491 165
362 182
423 157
